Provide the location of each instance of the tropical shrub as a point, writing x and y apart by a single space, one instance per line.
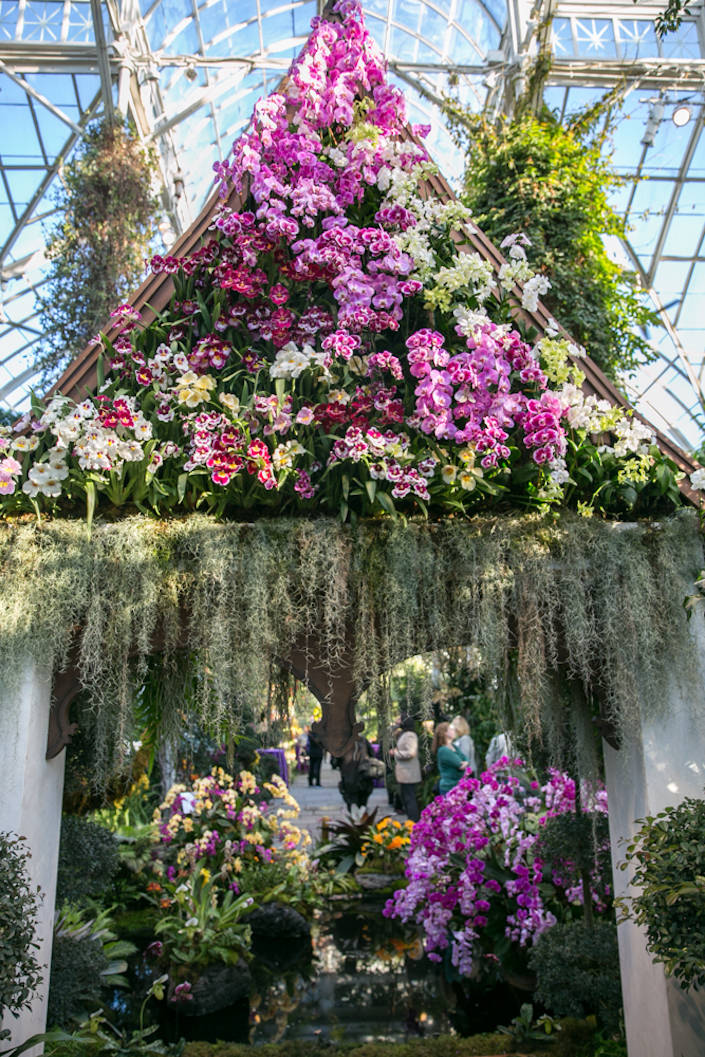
330 349
74 987
20 971
534 174
477 886
86 957
577 971
88 859
667 860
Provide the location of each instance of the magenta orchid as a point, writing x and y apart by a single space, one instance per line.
475 879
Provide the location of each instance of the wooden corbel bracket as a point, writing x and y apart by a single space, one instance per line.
61 729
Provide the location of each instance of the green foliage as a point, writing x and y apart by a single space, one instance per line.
201 930
241 594
533 174
577 846
577 971
578 838
667 857
669 20
468 690
575 1039
86 956
99 1037
88 859
20 972
348 835
610 1046
76 965
524 1029
98 248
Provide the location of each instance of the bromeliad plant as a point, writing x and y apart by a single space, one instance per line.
476 883
330 349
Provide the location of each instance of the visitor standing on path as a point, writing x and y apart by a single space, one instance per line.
407 769
451 763
315 756
463 742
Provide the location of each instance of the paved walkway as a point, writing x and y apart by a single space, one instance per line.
324 801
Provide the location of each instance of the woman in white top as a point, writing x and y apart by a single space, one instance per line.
407 769
463 742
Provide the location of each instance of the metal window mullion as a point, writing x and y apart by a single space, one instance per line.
686 284
673 204
30 91
38 194
19 27
10 200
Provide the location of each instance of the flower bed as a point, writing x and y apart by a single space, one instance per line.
221 846
477 886
329 348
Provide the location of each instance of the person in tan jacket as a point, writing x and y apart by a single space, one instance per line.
407 769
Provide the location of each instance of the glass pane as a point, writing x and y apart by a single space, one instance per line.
9 13
42 20
562 37
595 36
637 39
683 43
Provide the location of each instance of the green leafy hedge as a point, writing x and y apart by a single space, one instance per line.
576 1039
668 859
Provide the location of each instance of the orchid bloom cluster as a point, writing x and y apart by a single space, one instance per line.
223 823
472 862
333 344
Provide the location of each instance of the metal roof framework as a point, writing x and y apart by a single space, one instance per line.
188 72
598 46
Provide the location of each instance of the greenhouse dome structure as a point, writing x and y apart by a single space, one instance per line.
187 73
333 434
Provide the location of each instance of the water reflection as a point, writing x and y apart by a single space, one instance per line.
368 981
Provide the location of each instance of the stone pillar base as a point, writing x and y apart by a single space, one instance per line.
31 789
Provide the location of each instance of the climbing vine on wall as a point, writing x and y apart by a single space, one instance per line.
597 598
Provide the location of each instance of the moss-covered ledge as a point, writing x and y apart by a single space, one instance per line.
601 600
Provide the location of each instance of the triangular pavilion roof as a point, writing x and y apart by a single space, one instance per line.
155 293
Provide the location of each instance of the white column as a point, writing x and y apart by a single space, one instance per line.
664 764
31 789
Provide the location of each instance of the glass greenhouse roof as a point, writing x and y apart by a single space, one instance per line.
189 72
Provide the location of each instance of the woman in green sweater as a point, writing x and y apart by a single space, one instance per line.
451 762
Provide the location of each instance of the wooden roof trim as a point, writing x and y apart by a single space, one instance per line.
80 377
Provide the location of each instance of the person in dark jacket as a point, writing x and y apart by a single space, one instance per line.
315 758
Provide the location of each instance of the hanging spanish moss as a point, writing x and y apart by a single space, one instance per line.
599 602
